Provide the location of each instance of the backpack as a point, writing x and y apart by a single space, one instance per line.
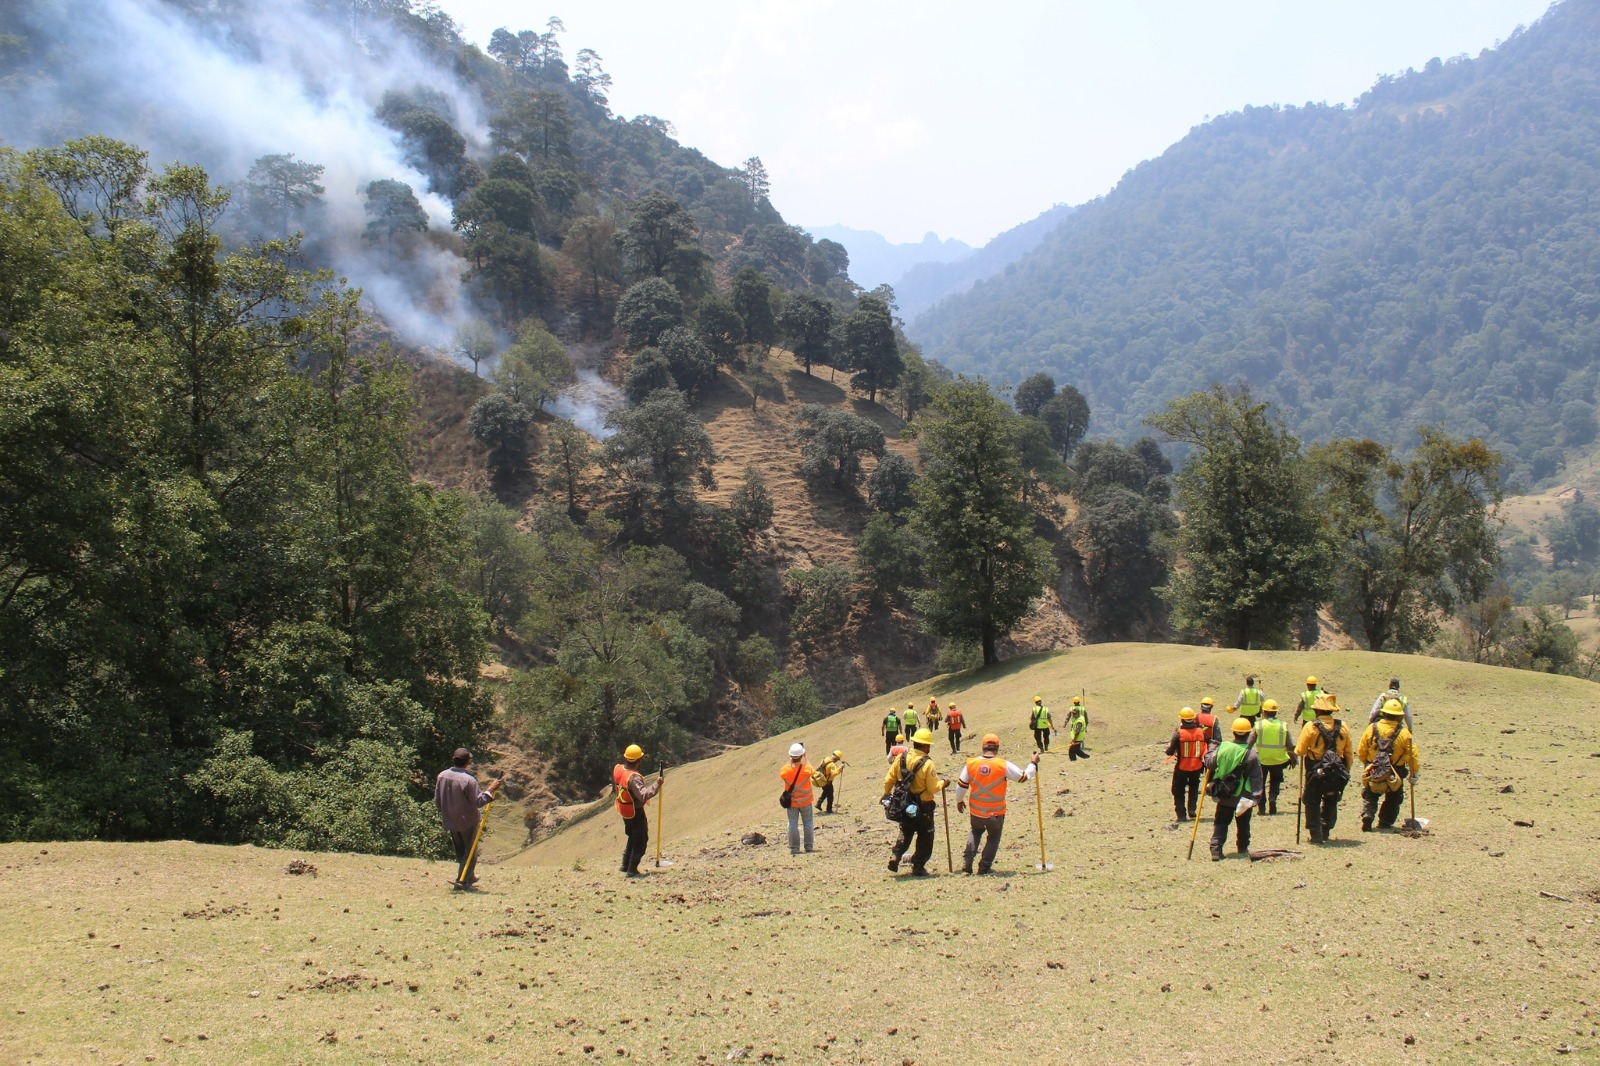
1381 772
898 806
1330 771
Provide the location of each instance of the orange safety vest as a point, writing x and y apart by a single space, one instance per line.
987 779
1191 747
954 720
620 776
1208 722
800 776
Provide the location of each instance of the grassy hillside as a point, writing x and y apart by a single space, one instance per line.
1378 948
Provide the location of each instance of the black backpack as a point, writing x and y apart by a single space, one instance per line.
1330 771
899 798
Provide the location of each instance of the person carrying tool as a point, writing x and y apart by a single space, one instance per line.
632 794
1392 693
1390 753
1235 786
1324 748
1250 700
1188 746
1039 721
983 781
932 715
457 796
797 786
908 720
891 729
955 722
1077 730
925 784
828 772
1308 700
1273 746
898 748
1206 718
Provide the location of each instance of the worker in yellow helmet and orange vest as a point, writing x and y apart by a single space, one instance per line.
955 722
1187 748
631 796
982 785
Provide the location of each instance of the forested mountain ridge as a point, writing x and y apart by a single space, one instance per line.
1426 256
927 283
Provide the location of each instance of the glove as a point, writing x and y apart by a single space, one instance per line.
1416 775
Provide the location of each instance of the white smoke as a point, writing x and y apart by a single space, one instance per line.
587 402
187 89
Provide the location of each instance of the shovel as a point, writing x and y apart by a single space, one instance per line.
466 864
1414 822
1038 796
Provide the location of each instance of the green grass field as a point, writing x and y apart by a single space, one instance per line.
1378 948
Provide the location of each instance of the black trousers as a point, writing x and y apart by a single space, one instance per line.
826 799
1075 751
1185 793
1274 775
1219 826
1321 804
888 742
1041 739
955 740
1385 805
462 842
638 830
919 829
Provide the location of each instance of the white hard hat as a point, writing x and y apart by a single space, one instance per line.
796 750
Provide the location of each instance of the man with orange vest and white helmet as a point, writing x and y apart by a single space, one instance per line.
796 776
631 795
982 785
1188 746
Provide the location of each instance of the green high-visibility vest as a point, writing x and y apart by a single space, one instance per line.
1041 716
1272 741
1249 702
1229 756
1307 699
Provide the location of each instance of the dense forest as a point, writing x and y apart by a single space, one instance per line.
1427 256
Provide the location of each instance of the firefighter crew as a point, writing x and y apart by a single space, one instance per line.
899 746
1273 744
932 715
1250 700
925 787
891 727
1390 753
982 784
1393 693
796 776
954 722
1039 721
1324 780
908 720
632 794
1308 700
1234 759
1077 730
828 771
1207 720
1188 746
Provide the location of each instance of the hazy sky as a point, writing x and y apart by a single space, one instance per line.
905 117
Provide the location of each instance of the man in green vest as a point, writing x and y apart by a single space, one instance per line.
1077 730
1236 787
1039 721
1308 700
891 729
1275 748
1393 693
1250 698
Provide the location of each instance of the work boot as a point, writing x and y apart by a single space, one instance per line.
1272 807
967 869
918 871
894 865
1216 854
1366 823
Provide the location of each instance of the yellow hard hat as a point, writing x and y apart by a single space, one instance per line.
1242 725
1394 708
922 737
1187 714
900 738
911 706
1269 706
1077 699
633 753
1207 702
838 755
1038 699
1311 681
